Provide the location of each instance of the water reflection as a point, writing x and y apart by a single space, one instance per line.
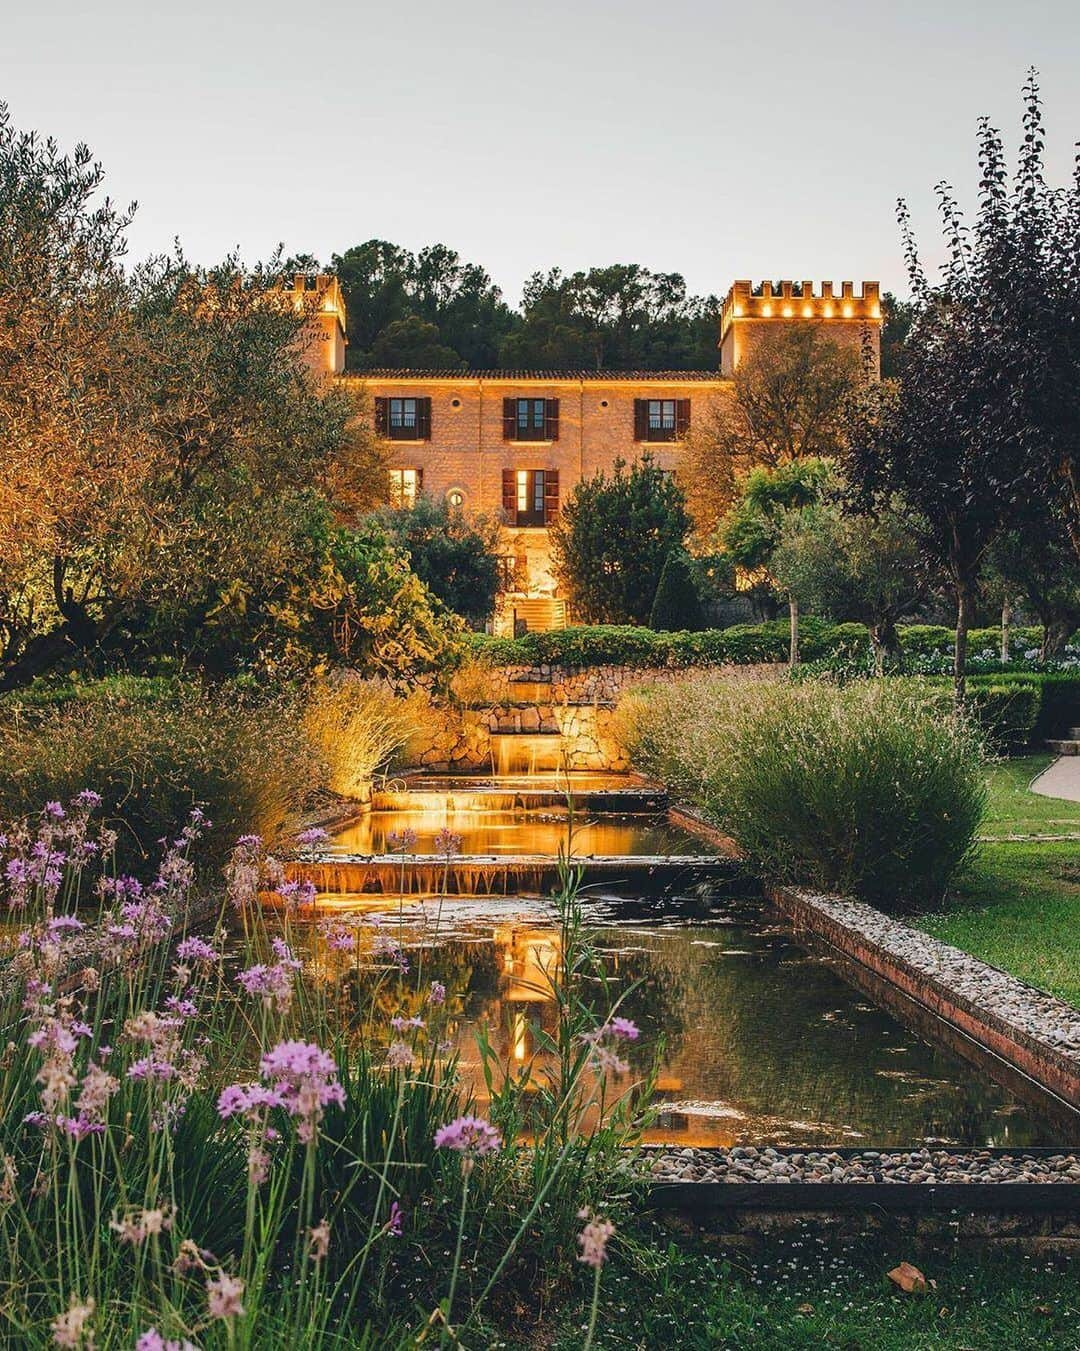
759 1042
512 831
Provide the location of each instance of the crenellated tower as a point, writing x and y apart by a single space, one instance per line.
324 339
751 311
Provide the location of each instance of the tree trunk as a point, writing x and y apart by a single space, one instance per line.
964 609
793 650
1006 617
1055 635
883 640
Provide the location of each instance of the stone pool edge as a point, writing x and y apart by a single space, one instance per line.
1028 1029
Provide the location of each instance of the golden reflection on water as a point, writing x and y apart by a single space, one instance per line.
759 1042
515 832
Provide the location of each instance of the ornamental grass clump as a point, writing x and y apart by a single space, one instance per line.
870 789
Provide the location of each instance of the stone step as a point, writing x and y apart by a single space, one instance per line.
1073 734
1070 747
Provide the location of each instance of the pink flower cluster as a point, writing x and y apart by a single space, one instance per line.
470 1136
299 1076
594 1239
273 983
603 1040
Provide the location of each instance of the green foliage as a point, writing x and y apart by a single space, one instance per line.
863 789
676 605
620 317
428 309
454 555
156 749
612 538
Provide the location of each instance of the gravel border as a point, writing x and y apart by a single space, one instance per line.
748 1164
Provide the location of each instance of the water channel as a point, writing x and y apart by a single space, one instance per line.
758 1040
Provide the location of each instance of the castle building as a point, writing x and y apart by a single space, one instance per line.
513 443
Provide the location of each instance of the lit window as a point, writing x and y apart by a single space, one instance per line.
662 415
530 496
404 486
456 498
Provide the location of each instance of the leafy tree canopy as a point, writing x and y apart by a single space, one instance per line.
454 555
612 538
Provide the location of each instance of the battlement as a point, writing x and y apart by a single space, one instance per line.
748 308
320 296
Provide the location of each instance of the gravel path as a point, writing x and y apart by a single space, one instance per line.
747 1164
1062 779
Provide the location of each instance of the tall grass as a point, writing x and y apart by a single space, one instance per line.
213 1138
154 750
357 726
869 789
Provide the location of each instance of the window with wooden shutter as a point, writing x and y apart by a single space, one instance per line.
682 417
530 419
404 419
509 495
641 419
551 496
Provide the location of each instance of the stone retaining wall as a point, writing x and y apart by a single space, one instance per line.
604 684
460 740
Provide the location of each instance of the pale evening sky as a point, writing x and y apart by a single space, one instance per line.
717 140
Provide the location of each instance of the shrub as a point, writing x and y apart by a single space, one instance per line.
863 789
1006 710
156 749
676 605
356 726
1059 708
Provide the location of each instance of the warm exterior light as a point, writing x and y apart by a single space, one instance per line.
788 311
766 310
738 311
847 311
875 312
808 311
827 311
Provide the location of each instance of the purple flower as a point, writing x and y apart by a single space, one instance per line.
150 1068
400 1024
393 1224
86 797
623 1027
62 924
437 993
55 810
469 1135
196 950
313 835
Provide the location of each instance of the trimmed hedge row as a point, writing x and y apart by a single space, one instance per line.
1018 709
626 645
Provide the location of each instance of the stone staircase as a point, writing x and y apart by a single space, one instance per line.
1069 745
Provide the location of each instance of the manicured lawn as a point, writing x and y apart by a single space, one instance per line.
1018 904
662 1292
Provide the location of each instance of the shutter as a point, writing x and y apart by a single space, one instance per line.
641 420
419 482
380 417
509 494
551 495
682 417
423 419
551 419
509 420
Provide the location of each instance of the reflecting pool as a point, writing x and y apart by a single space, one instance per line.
758 1041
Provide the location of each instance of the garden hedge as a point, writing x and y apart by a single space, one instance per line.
626 645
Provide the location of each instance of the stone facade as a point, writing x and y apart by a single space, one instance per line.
471 740
466 449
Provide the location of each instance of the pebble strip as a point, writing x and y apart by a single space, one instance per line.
1033 1011
746 1163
